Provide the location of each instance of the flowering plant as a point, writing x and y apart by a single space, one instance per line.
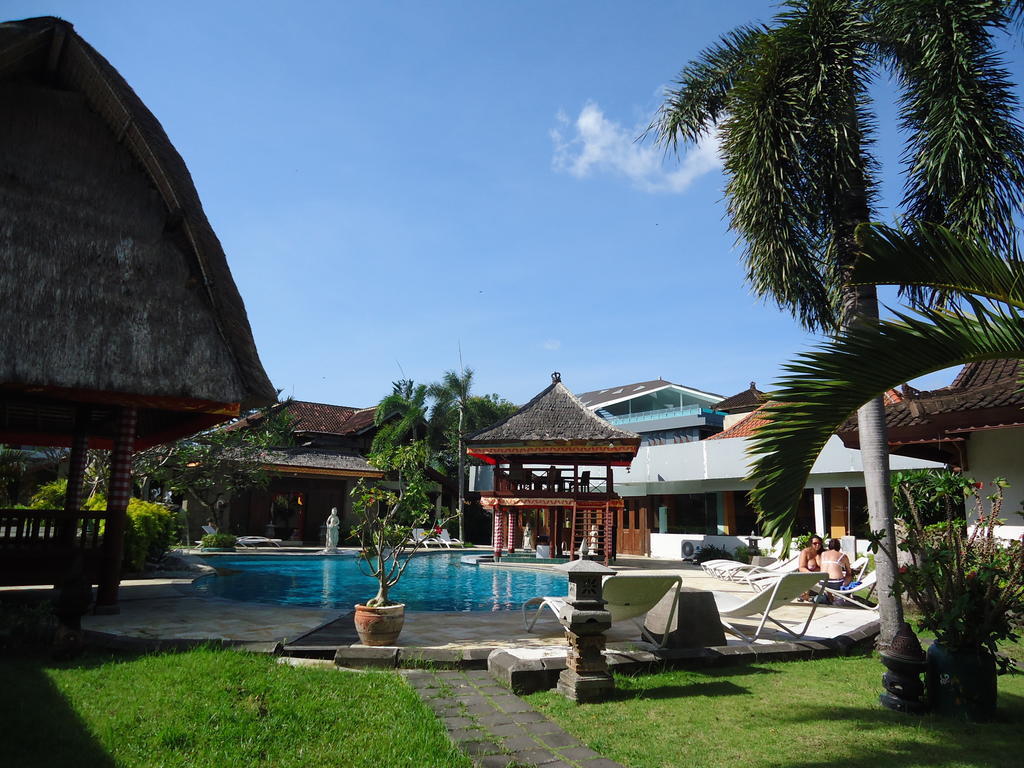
967 583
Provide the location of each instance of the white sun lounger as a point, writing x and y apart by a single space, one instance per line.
849 595
628 596
255 541
787 588
448 540
422 538
730 570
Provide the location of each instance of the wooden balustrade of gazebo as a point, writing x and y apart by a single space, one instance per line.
553 463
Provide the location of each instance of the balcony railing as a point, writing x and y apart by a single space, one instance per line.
543 483
667 413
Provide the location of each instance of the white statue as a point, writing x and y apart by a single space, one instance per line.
593 540
527 537
333 524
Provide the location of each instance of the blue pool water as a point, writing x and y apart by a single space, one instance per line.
432 582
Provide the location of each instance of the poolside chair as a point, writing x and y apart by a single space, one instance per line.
420 537
447 539
731 570
787 588
628 596
849 594
255 541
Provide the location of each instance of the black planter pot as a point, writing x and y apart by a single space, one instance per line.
962 683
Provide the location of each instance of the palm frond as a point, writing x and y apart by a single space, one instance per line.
795 148
938 259
701 94
824 387
965 145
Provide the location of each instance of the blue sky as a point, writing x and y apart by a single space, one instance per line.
396 181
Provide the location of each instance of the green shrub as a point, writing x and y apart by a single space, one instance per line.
148 534
743 553
218 541
711 552
51 496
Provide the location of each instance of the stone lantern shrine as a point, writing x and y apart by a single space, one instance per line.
586 677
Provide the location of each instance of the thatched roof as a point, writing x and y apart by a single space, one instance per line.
319 461
554 418
113 281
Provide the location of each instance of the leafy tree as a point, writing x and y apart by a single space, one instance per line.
209 468
407 402
823 387
791 105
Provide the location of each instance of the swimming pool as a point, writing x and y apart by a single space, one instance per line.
432 582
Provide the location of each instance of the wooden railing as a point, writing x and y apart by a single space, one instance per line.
47 530
539 482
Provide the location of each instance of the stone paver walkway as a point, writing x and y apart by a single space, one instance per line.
496 727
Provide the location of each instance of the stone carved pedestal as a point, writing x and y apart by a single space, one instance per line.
586 677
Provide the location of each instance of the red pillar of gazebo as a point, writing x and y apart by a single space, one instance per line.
511 515
118 494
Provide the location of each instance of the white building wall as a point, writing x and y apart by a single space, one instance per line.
1000 453
713 465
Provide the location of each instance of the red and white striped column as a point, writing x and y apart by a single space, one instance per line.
118 493
499 532
511 528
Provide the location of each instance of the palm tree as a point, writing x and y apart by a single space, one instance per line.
407 401
451 398
825 386
789 101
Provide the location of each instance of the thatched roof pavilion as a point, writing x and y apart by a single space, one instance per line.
556 429
122 325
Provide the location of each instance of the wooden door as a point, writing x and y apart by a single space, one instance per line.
633 537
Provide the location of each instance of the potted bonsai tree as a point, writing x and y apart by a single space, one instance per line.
386 515
967 584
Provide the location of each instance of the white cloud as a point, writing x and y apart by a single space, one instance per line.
594 144
552 345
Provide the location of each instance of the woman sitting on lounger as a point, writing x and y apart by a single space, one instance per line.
837 565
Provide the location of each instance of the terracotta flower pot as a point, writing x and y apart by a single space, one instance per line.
379 626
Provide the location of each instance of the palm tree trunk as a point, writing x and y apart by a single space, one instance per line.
860 304
874 453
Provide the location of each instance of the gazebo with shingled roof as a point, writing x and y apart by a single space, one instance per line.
123 327
553 463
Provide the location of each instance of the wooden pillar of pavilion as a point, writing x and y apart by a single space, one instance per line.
76 475
118 493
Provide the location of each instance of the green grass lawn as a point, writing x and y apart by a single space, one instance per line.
221 709
805 713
